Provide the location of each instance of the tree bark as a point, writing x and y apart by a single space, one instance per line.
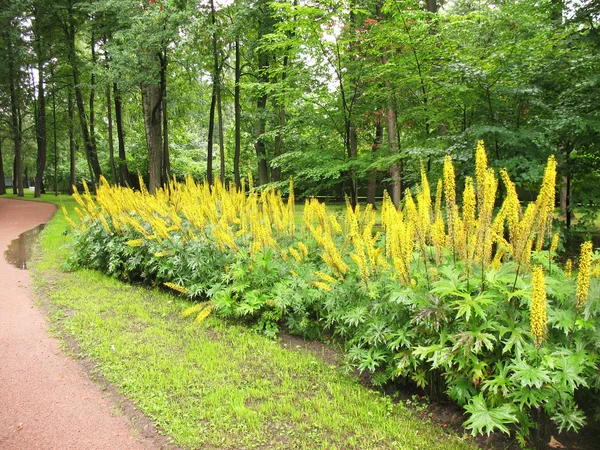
353 154
42 145
123 170
393 143
237 113
221 136
276 172
213 100
2 181
151 103
111 145
93 113
261 103
15 126
211 129
259 144
90 144
72 144
166 168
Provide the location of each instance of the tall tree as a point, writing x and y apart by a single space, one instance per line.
14 80
41 119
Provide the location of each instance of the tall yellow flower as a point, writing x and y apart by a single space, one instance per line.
538 318
449 183
480 171
438 200
450 194
568 268
583 278
545 203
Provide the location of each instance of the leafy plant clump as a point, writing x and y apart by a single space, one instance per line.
464 301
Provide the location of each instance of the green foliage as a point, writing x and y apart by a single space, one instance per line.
448 333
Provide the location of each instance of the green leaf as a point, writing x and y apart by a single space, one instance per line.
530 376
485 419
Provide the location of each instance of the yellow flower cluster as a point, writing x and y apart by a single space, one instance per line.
538 318
421 232
583 278
177 288
225 215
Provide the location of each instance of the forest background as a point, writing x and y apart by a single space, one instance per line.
349 98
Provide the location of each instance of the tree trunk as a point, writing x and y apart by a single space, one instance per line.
211 129
72 144
373 174
111 145
261 104
393 143
353 154
237 112
166 169
90 144
54 138
221 137
93 114
123 170
14 178
213 100
42 146
2 181
259 144
276 172
151 102
15 126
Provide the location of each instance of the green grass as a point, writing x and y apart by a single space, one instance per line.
217 385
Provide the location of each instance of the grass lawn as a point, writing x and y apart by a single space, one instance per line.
216 385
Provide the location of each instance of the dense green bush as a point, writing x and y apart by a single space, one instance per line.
513 340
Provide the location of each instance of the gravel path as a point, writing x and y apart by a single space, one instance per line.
46 402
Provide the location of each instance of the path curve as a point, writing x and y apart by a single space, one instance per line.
45 400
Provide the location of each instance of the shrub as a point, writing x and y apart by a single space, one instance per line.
464 301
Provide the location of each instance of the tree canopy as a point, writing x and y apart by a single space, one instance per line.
347 97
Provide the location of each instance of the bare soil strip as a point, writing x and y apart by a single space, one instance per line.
46 402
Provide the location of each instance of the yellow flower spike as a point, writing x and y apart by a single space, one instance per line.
545 203
177 287
303 249
325 277
438 200
321 285
497 261
449 183
583 277
450 194
134 242
295 254
554 243
568 268
203 314
67 218
250 182
293 273
481 168
538 318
